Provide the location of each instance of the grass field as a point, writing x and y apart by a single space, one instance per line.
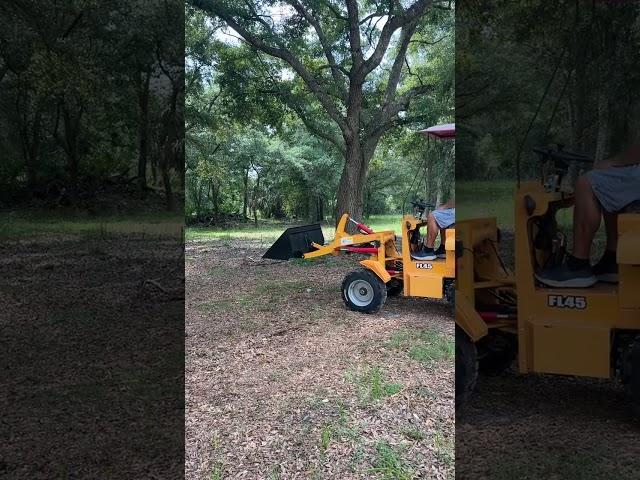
284 382
20 224
269 230
476 199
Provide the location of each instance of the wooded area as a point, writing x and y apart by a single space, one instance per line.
506 56
311 108
91 98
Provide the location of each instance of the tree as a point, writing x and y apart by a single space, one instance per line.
343 69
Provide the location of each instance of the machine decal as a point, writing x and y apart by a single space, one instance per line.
567 301
346 240
425 266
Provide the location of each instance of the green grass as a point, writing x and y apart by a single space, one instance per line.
414 433
475 199
389 463
371 385
217 471
37 223
325 438
444 449
478 199
268 231
425 346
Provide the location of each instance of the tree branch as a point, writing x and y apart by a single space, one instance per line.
216 7
413 13
354 34
326 45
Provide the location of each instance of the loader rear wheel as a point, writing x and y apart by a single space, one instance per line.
394 287
450 292
631 374
496 352
363 291
466 368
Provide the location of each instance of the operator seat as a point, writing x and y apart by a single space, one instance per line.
633 207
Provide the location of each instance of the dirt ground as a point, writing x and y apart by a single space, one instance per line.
534 427
544 426
92 358
283 382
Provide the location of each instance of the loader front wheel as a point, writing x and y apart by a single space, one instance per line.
363 291
466 367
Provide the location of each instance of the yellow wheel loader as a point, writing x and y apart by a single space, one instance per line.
389 269
500 314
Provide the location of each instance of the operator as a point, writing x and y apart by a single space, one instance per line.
438 220
608 189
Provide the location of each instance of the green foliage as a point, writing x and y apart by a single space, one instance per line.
72 79
506 55
277 151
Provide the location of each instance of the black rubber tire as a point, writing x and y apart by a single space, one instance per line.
395 287
496 352
378 291
450 292
633 375
466 368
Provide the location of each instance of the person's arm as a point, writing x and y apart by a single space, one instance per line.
630 156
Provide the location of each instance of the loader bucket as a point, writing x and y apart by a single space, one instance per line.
295 242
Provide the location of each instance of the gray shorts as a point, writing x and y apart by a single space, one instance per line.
616 187
445 218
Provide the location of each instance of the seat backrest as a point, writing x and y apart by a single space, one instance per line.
450 238
633 207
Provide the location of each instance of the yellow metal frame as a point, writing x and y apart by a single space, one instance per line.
560 331
570 331
420 278
478 270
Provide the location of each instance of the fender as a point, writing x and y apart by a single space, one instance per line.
376 268
468 319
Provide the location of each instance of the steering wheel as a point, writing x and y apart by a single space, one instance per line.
558 154
421 204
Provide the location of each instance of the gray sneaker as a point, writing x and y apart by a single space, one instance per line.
564 277
424 254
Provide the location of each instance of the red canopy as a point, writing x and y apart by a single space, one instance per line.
441 132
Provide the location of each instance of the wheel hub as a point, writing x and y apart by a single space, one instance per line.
360 293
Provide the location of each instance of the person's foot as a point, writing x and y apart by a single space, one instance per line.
424 253
440 252
606 270
574 273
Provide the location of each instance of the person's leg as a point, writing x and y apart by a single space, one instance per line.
576 272
428 252
432 231
586 218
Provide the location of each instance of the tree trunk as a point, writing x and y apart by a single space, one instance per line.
215 199
245 203
73 162
255 201
143 133
354 176
603 127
